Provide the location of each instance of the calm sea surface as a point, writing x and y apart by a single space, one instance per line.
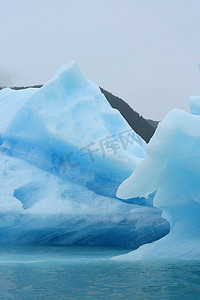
78 272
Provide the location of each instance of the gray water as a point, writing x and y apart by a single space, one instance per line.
78 272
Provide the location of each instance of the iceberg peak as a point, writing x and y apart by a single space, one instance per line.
69 76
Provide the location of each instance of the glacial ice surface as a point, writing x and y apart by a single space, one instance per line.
64 151
194 102
172 167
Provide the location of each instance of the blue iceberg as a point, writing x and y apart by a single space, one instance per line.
172 168
63 153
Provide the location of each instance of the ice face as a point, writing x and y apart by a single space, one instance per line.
172 167
64 151
39 207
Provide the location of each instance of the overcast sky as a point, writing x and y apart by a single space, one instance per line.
145 51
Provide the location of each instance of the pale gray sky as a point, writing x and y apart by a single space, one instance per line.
145 51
